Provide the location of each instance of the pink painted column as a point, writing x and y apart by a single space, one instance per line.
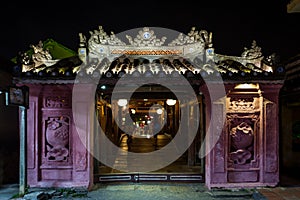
33 116
215 140
271 133
57 157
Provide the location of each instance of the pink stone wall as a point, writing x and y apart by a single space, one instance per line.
56 155
58 148
246 152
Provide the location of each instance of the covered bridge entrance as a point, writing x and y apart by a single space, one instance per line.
162 106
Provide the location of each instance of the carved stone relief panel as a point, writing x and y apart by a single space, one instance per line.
57 138
242 132
241 149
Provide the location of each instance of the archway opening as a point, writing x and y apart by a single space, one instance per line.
148 122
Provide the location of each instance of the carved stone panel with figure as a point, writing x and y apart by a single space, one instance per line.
57 138
243 149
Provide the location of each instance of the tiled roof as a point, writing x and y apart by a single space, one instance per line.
293 6
228 69
292 68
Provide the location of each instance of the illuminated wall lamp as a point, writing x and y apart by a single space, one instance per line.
171 102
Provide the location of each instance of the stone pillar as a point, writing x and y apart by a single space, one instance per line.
33 130
84 124
271 133
213 145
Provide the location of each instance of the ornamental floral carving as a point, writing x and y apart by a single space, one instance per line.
242 104
57 102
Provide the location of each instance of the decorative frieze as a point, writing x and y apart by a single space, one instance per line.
57 102
147 52
243 104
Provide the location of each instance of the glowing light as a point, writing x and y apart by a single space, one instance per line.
122 102
246 86
133 111
171 102
159 111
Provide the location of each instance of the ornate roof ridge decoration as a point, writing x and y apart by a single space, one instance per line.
145 42
101 37
253 52
146 37
193 36
186 53
39 59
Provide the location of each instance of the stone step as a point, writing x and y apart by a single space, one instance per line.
235 193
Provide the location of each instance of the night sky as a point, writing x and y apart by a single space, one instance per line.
234 24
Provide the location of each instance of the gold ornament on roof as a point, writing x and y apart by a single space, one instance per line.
101 37
192 37
39 59
82 40
253 52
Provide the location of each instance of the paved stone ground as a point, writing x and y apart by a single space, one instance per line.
278 193
135 191
8 191
165 192
151 191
